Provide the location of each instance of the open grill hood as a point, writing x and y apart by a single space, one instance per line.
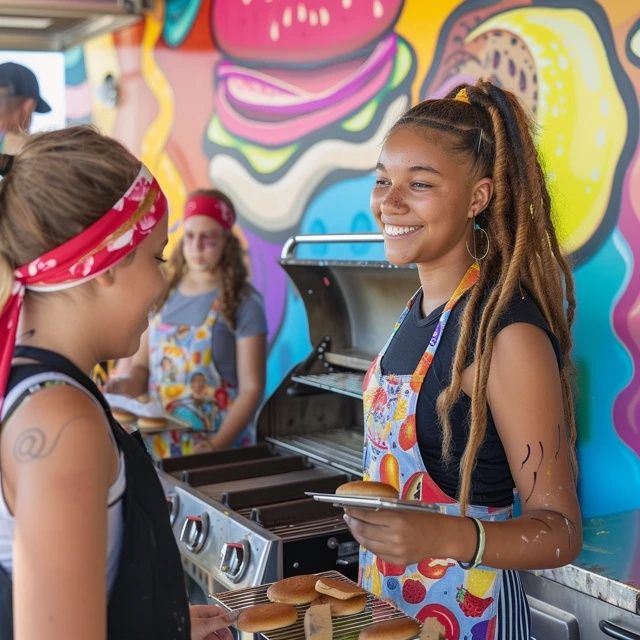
55 25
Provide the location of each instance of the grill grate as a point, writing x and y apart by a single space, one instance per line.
341 448
347 626
345 383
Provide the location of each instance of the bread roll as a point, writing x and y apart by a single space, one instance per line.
432 629
338 588
317 623
123 416
145 422
396 629
266 617
370 489
294 590
343 607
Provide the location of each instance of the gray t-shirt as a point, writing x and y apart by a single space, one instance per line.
193 310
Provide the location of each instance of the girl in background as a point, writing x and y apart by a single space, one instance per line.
203 356
471 398
86 549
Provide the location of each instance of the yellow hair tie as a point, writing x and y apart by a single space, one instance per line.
462 96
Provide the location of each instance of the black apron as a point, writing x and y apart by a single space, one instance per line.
148 599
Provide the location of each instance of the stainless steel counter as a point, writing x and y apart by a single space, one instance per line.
609 566
598 595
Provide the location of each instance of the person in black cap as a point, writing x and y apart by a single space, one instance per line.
19 98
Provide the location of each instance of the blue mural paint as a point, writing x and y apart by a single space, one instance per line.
343 207
604 370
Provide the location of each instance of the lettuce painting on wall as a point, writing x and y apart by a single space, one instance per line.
284 106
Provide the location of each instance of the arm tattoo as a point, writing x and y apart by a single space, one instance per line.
535 473
526 457
32 444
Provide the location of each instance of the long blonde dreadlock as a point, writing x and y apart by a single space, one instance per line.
492 129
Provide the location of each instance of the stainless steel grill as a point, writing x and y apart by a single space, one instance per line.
375 611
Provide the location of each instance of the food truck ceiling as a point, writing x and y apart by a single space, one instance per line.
55 25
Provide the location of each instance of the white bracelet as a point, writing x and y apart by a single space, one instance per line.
478 555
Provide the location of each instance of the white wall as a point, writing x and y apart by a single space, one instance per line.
49 69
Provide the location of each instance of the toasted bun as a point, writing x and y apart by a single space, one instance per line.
367 488
338 588
144 422
432 629
266 617
294 590
123 416
343 607
397 629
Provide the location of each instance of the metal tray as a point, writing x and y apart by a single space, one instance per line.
375 503
344 628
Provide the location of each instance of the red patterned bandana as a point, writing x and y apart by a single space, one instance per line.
211 207
98 248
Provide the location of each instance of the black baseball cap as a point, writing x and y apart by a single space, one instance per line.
21 81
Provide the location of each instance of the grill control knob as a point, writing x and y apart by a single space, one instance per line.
173 502
234 559
194 532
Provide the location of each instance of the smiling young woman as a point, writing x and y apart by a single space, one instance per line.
479 366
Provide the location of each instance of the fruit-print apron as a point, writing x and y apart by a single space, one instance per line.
464 602
184 378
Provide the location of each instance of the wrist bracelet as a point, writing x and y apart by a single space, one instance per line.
479 553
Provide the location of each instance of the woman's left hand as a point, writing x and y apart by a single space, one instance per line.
399 537
209 622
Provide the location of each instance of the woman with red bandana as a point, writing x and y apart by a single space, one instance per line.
86 549
470 402
203 356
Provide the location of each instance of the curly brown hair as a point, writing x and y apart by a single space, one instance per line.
494 131
232 265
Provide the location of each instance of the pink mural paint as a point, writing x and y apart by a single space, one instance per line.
626 316
282 31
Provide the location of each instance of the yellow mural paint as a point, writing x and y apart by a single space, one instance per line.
153 152
101 60
421 23
581 116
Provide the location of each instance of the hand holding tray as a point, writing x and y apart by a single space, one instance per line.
373 502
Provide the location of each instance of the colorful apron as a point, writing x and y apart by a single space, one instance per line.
463 601
184 378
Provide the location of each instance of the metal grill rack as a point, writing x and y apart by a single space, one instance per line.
343 627
340 448
343 382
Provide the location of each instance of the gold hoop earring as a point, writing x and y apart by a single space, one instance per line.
474 255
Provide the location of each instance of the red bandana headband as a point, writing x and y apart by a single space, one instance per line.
98 248
211 207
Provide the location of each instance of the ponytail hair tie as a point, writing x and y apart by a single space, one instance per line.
6 162
462 96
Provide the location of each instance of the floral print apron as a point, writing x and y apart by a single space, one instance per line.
463 601
184 378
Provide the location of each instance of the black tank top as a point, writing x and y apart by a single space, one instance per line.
492 484
148 600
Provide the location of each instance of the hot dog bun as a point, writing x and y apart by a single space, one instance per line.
266 617
367 488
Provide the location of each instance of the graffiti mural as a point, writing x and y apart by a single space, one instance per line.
284 106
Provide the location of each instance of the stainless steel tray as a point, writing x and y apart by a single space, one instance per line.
344 628
375 503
